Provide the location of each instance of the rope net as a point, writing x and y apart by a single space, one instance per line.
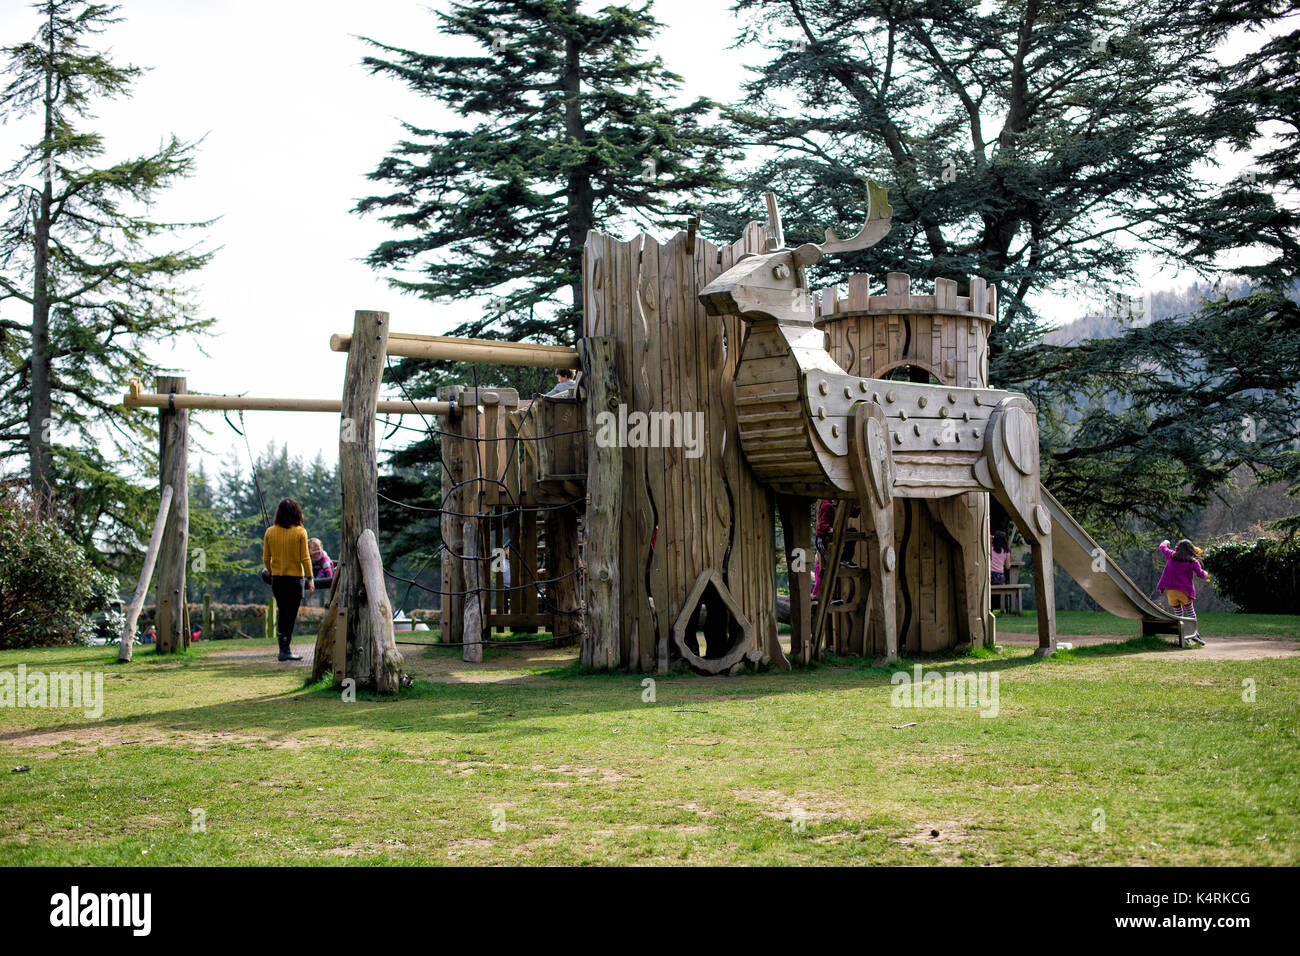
494 514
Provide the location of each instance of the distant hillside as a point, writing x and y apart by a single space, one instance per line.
1117 316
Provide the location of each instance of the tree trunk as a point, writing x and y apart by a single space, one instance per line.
351 598
173 467
579 195
40 413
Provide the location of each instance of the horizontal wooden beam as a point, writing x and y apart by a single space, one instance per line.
485 351
249 403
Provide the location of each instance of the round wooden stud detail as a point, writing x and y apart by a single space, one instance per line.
1043 519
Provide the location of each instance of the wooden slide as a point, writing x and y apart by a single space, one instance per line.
1085 561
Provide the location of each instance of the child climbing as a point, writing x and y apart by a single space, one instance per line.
825 531
284 553
1179 580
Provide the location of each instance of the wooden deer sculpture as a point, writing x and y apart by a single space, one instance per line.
809 429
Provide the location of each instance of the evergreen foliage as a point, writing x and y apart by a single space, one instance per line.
100 278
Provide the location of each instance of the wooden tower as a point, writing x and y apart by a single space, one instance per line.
943 597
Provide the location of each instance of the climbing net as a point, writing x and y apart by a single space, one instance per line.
543 587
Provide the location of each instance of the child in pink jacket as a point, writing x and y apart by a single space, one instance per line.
1179 579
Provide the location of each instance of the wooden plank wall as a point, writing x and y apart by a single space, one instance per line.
709 511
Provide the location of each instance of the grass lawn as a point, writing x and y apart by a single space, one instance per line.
1143 755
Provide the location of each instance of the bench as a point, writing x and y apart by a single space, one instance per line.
1012 597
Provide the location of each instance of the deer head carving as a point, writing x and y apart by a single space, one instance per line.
772 283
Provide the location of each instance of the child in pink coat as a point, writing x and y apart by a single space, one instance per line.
1179 579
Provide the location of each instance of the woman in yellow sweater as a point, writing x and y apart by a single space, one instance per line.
284 552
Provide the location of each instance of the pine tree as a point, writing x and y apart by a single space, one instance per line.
81 254
1019 141
1261 211
564 124
1044 146
567 125
1171 413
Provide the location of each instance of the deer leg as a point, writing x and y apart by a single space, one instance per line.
962 518
871 465
882 563
1009 469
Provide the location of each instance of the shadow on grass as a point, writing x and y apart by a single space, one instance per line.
514 708
1135 645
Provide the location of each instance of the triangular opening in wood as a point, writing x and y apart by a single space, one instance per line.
727 633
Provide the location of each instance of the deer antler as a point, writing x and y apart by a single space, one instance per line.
879 214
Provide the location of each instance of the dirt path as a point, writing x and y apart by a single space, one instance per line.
517 663
1245 648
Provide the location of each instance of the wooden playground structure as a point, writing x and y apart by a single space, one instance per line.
637 514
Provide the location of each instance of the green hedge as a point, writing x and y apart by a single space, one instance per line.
237 620
1260 577
48 587
228 620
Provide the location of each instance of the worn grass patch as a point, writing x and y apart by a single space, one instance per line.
1102 755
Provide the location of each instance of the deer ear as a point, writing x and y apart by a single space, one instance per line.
807 254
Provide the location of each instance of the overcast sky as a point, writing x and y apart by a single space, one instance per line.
291 123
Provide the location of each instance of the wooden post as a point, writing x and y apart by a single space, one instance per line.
489 352
146 573
603 624
454 501
207 617
255 403
472 633
268 623
368 656
561 572
173 466
527 546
